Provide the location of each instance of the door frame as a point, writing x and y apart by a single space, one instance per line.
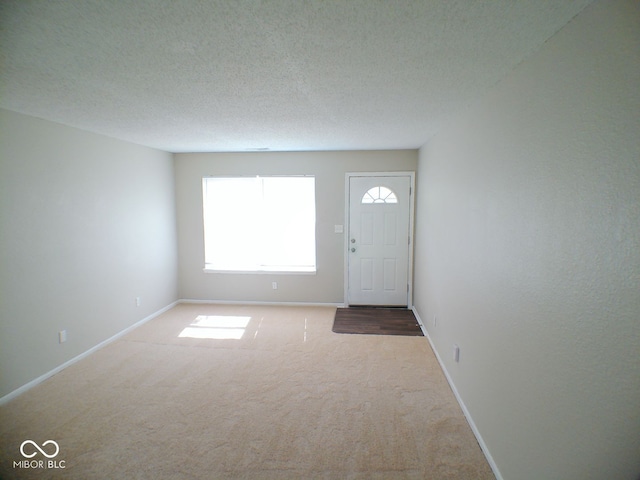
347 200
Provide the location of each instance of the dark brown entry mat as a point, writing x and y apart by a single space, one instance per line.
376 321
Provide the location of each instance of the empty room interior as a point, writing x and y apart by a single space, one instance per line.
186 193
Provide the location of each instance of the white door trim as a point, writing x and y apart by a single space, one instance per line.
412 177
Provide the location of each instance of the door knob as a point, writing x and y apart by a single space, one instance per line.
353 249
353 240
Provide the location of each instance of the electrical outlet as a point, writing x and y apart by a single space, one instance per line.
274 285
435 321
62 336
138 301
456 353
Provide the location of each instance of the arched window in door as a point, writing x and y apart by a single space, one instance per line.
379 194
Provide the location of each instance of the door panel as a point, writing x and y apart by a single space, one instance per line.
390 229
366 228
366 275
378 262
390 274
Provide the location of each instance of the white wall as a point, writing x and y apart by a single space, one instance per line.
528 253
87 224
329 169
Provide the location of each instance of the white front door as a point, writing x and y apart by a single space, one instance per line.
379 240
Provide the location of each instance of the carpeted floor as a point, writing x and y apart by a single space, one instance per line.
229 392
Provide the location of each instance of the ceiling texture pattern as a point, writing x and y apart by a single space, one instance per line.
284 75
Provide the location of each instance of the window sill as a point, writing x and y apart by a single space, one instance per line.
292 271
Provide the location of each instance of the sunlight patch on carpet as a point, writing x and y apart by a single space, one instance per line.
218 327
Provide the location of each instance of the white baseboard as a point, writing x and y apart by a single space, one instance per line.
422 327
267 304
27 386
465 411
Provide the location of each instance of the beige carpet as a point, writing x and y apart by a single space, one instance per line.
263 393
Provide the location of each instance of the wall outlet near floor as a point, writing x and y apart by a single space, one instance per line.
435 321
62 336
274 285
456 353
138 301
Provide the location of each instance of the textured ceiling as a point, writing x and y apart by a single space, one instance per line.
236 75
